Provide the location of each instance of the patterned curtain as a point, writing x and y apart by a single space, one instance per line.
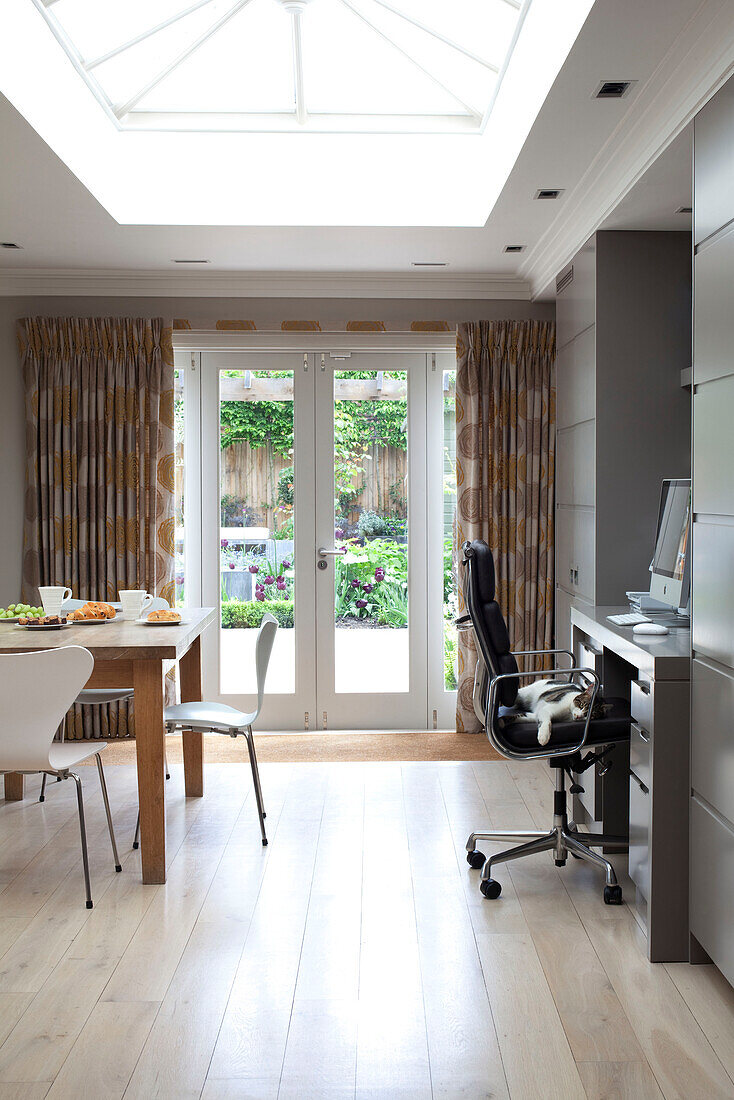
505 458
99 503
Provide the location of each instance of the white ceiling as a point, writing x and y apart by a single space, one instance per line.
598 151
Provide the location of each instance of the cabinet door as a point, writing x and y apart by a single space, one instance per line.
713 181
713 297
712 886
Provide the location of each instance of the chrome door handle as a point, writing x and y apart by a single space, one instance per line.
323 551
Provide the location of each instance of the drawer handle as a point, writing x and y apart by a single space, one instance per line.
645 736
640 784
643 686
592 650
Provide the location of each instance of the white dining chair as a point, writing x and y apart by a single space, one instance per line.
37 690
219 718
96 697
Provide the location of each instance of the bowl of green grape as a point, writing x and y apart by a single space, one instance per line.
14 611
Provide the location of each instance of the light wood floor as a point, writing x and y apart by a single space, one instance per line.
353 957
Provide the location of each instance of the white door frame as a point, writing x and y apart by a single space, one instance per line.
201 554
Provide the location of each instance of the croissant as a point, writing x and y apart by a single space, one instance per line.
164 615
93 609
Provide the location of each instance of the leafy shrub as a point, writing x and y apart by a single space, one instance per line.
285 486
450 657
382 566
239 614
370 525
395 527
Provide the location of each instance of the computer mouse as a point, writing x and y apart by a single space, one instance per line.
649 628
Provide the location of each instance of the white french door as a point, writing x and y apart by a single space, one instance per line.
303 456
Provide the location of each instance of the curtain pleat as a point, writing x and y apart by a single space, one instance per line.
505 472
99 504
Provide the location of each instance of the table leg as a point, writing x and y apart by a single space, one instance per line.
149 737
190 673
14 786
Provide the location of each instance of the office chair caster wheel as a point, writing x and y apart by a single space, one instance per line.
490 888
475 860
613 895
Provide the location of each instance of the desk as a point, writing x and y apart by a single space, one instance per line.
648 786
129 654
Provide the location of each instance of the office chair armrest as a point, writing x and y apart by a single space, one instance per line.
542 653
463 622
542 751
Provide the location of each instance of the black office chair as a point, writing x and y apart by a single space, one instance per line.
516 739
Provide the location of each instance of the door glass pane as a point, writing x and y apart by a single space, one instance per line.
449 525
256 517
371 522
178 442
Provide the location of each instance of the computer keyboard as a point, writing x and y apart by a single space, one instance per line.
632 618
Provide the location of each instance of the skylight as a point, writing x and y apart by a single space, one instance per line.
290 65
287 112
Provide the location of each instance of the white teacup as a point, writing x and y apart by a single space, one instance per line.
52 597
134 602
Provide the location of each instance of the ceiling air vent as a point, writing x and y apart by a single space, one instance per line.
684 210
9 244
191 261
549 193
514 248
613 89
564 280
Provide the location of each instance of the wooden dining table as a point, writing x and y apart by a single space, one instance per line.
132 654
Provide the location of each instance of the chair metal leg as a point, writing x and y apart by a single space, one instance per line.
42 795
83 831
601 840
540 844
256 772
502 834
256 783
581 850
136 838
106 800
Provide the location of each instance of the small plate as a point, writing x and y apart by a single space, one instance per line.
45 626
164 622
13 620
88 622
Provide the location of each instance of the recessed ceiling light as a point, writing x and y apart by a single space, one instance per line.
613 89
429 263
549 193
192 261
514 248
10 244
684 210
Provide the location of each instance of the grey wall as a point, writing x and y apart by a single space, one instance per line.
12 428
624 335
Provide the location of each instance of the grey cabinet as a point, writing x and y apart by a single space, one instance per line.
712 579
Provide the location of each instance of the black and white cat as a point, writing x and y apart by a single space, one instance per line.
546 701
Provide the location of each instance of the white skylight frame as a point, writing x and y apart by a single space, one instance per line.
131 114
172 178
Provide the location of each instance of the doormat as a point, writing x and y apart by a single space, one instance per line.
302 748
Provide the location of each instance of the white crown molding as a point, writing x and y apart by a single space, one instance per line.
695 66
240 284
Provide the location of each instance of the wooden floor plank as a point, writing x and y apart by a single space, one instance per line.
711 1001
535 1052
619 1081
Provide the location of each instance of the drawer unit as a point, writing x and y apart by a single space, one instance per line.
642 702
712 750
640 821
641 752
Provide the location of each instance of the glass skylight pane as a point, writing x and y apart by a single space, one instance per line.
125 74
485 27
97 26
247 66
471 82
348 68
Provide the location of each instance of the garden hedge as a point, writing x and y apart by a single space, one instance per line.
242 613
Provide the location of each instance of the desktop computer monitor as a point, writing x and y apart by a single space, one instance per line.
670 569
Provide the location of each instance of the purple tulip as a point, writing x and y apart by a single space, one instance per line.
269 580
280 584
231 565
253 569
338 534
360 603
367 588
285 564
179 578
224 544
354 583
379 573
260 596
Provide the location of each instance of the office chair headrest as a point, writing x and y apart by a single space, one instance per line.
482 569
